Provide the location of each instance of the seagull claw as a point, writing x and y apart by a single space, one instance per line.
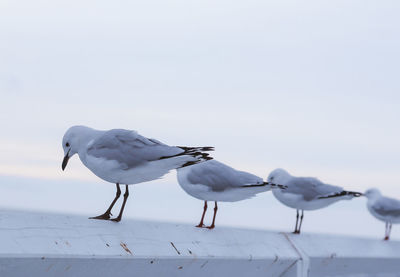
117 219
105 216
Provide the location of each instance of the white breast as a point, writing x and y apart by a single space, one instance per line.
112 171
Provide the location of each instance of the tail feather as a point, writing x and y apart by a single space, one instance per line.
342 193
265 184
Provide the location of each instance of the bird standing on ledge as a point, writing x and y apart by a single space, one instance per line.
124 157
215 181
383 208
306 193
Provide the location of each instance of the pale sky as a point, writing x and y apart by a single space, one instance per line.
309 86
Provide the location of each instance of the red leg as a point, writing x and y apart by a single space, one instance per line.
201 225
388 229
212 226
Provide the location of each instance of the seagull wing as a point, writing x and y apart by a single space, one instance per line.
219 177
129 148
310 188
386 206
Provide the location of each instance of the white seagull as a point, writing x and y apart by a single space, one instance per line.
124 157
215 181
306 193
383 208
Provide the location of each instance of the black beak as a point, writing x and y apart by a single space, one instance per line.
65 160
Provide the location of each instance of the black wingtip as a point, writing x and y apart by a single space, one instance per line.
197 152
342 193
277 185
266 184
355 193
201 148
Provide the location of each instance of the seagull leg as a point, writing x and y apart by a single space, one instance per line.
388 230
212 226
201 225
126 194
297 222
301 221
107 214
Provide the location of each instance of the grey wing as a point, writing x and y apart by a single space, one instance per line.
129 148
310 188
219 177
387 207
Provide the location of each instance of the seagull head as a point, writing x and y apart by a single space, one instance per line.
71 142
372 193
278 176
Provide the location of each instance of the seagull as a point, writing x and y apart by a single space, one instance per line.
306 193
125 157
383 208
214 181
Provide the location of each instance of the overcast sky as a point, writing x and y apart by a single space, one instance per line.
309 86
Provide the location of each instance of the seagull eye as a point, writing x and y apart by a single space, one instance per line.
67 144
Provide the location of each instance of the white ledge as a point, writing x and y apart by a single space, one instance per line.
33 244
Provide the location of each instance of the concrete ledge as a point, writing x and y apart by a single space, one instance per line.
33 244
